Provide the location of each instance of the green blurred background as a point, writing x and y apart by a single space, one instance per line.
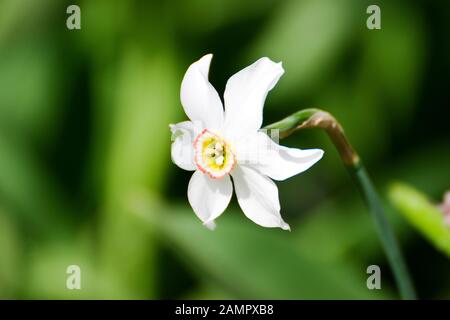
85 170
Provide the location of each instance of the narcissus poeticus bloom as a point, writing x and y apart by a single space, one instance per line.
219 144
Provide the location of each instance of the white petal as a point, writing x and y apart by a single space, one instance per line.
279 163
258 198
245 94
183 135
199 98
209 197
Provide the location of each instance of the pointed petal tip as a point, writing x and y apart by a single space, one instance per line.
206 59
314 154
277 64
320 153
285 226
199 99
210 224
280 64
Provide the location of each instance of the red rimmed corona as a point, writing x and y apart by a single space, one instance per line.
213 155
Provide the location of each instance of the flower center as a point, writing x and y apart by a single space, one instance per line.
213 155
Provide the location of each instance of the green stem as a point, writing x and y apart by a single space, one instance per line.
315 118
385 232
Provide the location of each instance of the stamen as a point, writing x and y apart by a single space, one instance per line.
219 160
219 146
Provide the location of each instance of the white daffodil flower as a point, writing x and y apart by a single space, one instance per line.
218 143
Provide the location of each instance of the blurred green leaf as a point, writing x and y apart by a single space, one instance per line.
10 257
28 188
137 157
106 24
388 71
22 16
251 261
308 36
423 166
29 89
146 91
334 231
422 215
54 258
195 16
348 100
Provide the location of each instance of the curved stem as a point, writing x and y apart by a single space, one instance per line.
316 118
